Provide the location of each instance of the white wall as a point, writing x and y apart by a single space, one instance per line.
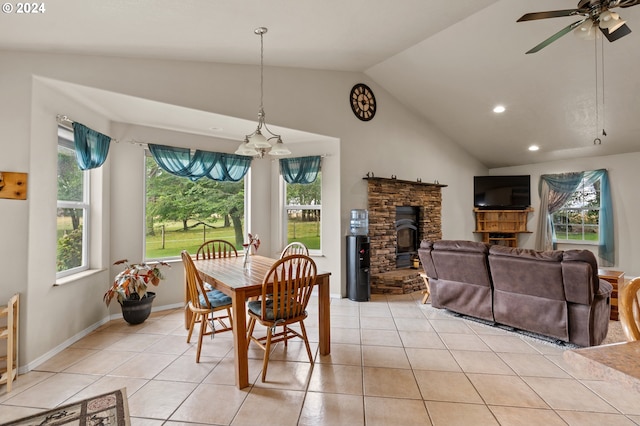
624 175
394 142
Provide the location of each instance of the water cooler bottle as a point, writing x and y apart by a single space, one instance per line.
358 256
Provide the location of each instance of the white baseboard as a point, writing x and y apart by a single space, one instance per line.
73 339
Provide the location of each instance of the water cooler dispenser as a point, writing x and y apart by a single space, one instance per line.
358 256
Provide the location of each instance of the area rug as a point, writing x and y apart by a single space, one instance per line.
109 409
615 333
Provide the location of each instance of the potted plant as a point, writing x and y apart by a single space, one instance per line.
130 289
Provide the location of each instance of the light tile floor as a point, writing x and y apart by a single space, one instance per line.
393 361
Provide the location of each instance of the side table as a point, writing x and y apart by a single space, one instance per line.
616 278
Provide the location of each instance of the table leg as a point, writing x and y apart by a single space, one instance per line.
240 338
324 315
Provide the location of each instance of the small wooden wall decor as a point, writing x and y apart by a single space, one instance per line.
13 185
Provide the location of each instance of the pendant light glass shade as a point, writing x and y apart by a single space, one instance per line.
279 149
246 149
258 141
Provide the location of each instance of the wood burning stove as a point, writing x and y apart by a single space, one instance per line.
407 238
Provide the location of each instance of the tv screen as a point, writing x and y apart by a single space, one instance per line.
502 192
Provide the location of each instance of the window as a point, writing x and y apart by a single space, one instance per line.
578 221
303 209
181 214
72 209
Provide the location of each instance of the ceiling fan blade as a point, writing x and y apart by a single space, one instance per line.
556 36
628 3
550 14
619 33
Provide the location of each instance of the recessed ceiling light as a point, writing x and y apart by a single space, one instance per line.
534 148
498 109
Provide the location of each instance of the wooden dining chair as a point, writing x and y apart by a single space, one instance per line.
214 249
294 248
630 309
291 280
203 304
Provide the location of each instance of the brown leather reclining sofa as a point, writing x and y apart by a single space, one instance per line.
553 293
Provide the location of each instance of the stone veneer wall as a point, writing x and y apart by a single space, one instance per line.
384 195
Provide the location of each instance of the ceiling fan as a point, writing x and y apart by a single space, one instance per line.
597 15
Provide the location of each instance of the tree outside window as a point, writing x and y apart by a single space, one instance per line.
72 209
303 208
579 219
181 214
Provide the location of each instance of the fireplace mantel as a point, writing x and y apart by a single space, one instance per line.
404 182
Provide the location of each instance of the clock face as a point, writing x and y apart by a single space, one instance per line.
363 103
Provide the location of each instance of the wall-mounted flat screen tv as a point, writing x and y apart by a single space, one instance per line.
502 192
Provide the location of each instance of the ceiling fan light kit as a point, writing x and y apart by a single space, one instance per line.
597 15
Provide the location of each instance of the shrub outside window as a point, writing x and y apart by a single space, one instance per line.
72 216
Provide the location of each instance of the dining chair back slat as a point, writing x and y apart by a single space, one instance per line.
214 249
294 248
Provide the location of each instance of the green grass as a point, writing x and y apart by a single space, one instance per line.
308 233
177 240
587 237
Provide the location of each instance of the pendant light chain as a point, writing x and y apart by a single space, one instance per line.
596 140
604 109
258 144
261 72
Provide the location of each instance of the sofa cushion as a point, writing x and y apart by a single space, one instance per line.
459 276
465 265
460 245
528 290
549 255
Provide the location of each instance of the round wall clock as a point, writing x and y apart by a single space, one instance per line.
363 103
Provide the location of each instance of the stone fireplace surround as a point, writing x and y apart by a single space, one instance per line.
384 195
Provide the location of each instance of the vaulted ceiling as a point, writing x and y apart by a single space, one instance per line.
449 62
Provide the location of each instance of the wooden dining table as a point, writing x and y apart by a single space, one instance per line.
231 276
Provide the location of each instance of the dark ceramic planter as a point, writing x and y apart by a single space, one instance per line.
137 311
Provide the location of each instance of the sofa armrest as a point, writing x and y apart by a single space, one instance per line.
424 253
584 256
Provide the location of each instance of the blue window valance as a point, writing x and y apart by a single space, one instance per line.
213 165
91 147
302 170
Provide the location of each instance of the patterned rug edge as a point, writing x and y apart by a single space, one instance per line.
614 334
108 409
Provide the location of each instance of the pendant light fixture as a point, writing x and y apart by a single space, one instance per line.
257 144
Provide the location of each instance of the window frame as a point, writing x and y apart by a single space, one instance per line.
582 210
148 155
65 134
285 215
